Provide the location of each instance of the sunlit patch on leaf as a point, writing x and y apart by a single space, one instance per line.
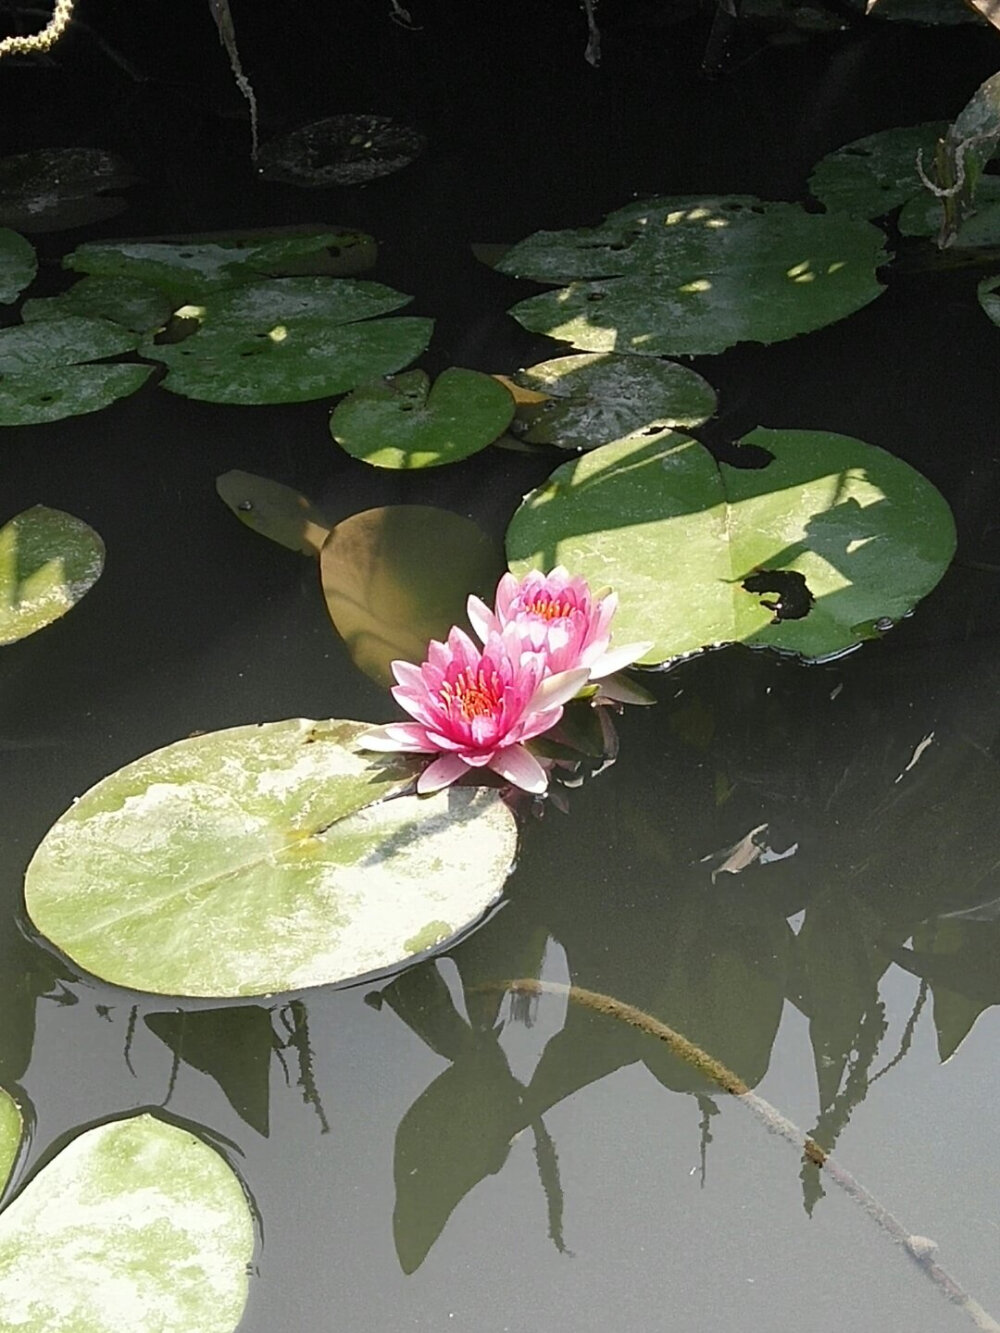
680 537
48 561
406 422
396 577
684 276
262 859
53 189
290 340
18 265
341 150
597 398
135 1224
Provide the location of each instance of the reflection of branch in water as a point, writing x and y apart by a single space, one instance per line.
918 1247
133 1017
907 1037
835 1117
295 1021
547 1161
708 1108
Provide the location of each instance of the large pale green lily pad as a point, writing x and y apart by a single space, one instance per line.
189 269
48 561
136 1225
871 176
18 265
55 188
262 859
289 340
11 1129
137 305
600 397
405 422
858 534
274 511
396 577
684 276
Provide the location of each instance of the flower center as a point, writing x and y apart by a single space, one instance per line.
547 609
474 693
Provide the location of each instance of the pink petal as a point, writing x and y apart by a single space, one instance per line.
481 618
557 689
407 675
406 736
617 658
507 590
441 773
518 766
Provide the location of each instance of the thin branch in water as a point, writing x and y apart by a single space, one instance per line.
227 35
907 1037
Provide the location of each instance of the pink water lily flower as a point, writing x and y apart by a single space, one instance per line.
557 615
475 708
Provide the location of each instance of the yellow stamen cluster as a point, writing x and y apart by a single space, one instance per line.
474 693
547 609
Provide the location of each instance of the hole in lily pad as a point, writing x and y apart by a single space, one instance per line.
792 599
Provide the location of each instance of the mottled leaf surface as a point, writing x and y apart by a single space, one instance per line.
871 176
404 421
136 1225
18 265
66 391
55 188
261 859
128 301
684 276
676 535
48 561
28 348
11 1129
600 397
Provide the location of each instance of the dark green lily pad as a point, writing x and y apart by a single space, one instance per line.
341 150
405 422
871 176
689 544
40 379
262 859
134 1219
66 391
688 276
931 13
289 340
601 397
394 578
53 189
18 265
189 270
48 561
989 298
136 305
274 511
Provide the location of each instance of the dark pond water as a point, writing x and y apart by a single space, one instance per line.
422 1153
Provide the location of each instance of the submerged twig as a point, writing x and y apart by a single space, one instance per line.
918 1247
44 40
227 35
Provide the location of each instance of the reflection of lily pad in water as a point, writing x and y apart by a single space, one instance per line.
57 188
341 150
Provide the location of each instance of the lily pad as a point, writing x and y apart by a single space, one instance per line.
340 150
404 422
601 397
18 265
137 1225
137 305
48 561
871 176
188 270
989 298
53 189
397 577
261 859
289 340
11 1129
40 379
274 510
923 216
687 276
693 546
